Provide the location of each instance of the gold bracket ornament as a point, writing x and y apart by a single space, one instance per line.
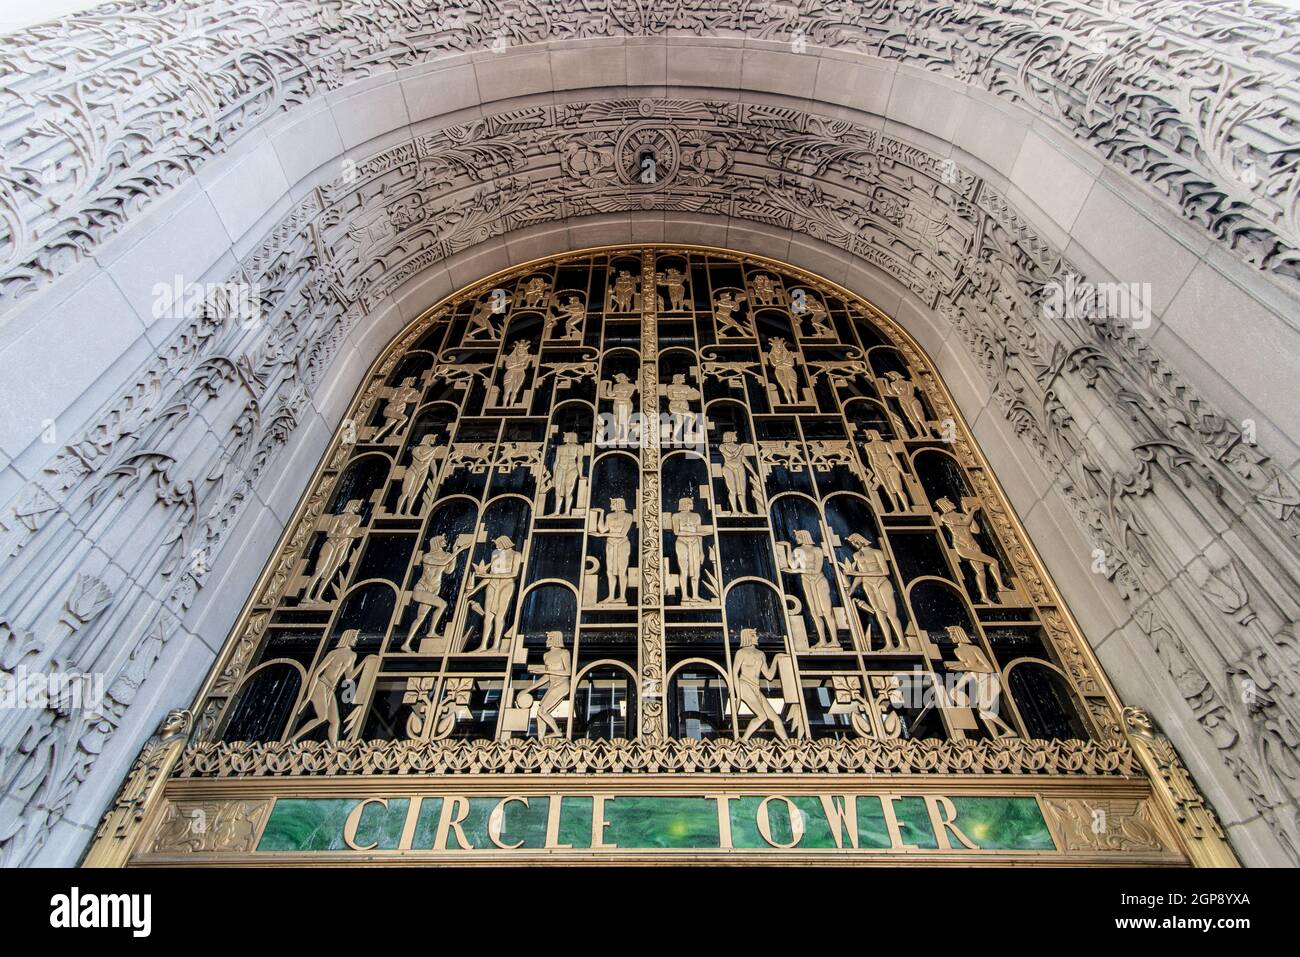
1192 820
141 798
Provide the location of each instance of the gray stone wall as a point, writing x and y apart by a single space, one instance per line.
150 460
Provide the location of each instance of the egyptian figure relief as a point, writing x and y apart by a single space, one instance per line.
645 494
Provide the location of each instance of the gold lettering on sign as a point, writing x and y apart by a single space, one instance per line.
796 822
943 817
598 822
354 821
496 820
724 820
841 812
452 818
893 825
553 825
408 826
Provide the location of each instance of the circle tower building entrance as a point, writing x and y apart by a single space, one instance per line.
656 552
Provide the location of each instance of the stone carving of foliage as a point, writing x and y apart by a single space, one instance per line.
106 110
1224 630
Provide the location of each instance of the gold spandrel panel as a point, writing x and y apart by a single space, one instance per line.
654 493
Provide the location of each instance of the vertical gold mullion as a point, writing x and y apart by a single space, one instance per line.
650 651
864 652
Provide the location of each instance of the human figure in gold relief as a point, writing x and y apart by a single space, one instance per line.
615 527
868 569
621 391
535 292
434 563
680 395
480 320
804 559
723 307
689 532
675 280
764 290
782 360
977 670
568 469
962 529
497 580
904 390
555 678
336 667
623 295
751 669
417 474
736 471
517 363
573 313
886 473
340 532
818 317
395 407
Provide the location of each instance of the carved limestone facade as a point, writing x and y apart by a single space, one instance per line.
185 437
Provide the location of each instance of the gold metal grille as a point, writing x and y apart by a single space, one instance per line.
644 527
647 494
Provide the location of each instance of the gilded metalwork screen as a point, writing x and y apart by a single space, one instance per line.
647 494
657 511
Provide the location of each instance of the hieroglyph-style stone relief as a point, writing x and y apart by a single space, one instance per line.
105 110
147 473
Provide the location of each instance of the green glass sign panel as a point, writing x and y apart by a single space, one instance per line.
595 822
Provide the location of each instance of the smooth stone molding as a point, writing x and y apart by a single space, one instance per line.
128 540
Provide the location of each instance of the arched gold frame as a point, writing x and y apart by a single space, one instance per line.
183 763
